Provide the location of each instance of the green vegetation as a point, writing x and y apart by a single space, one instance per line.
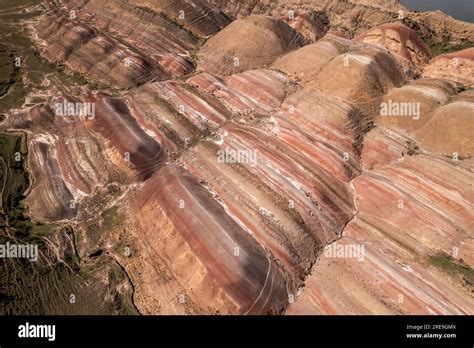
37 100
11 4
8 71
13 213
453 268
45 287
438 48
105 222
20 81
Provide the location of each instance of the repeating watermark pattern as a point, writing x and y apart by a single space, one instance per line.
355 251
345 61
236 61
291 14
67 108
455 252
231 156
400 109
22 251
291 298
455 62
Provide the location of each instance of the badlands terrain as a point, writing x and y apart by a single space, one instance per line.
236 157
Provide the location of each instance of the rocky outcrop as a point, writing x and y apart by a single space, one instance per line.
233 165
129 142
98 57
420 99
123 44
344 69
288 205
232 50
305 64
354 17
59 183
216 265
260 91
49 189
418 260
198 16
160 39
402 42
450 130
456 66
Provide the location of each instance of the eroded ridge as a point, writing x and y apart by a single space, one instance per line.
232 157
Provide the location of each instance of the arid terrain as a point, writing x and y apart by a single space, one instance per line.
236 157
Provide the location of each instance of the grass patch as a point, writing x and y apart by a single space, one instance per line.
107 221
453 267
438 48
13 211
